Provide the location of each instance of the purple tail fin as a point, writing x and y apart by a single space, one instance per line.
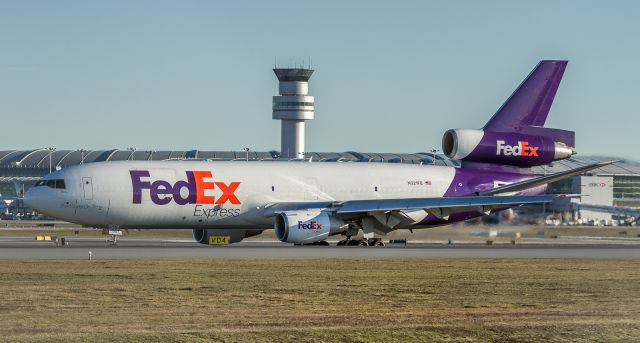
515 135
529 105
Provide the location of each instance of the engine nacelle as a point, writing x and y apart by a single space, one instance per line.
307 226
235 235
510 148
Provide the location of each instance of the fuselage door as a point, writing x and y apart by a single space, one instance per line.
87 186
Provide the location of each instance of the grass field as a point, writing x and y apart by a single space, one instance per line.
313 300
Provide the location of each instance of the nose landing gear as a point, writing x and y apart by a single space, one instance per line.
113 233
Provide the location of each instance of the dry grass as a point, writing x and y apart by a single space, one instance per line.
328 300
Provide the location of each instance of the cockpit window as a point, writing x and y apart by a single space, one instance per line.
52 183
60 184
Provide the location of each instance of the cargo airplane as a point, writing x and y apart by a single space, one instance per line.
305 202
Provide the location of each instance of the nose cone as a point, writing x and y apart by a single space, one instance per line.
43 200
31 199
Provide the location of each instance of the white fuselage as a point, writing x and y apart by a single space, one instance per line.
102 194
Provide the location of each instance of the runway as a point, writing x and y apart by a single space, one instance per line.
17 248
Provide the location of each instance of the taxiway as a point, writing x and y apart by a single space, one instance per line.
22 248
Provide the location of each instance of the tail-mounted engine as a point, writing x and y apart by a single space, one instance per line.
519 149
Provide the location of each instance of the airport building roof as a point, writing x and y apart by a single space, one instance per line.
39 158
23 163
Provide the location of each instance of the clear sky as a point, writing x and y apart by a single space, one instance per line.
391 76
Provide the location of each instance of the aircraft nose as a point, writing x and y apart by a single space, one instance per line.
28 198
33 199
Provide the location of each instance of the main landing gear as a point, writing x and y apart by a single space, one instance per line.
363 242
323 243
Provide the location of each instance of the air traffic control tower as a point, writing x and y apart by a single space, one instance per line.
293 107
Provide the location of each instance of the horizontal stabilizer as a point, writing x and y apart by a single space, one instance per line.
557 135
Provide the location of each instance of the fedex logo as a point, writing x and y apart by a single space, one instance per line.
312 225
199 186
522 149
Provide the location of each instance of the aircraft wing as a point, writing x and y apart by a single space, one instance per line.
542 180
484 201
438 206
385 215
441 205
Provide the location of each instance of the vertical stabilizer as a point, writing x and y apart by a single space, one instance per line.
529 105
515 135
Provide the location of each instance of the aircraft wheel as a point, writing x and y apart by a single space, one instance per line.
379 243
342 243
317 243
363 243
353 242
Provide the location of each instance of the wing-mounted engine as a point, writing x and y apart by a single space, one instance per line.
235 235
307 226
522 149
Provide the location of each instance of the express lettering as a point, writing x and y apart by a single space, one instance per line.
521 149
199 186
215 212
